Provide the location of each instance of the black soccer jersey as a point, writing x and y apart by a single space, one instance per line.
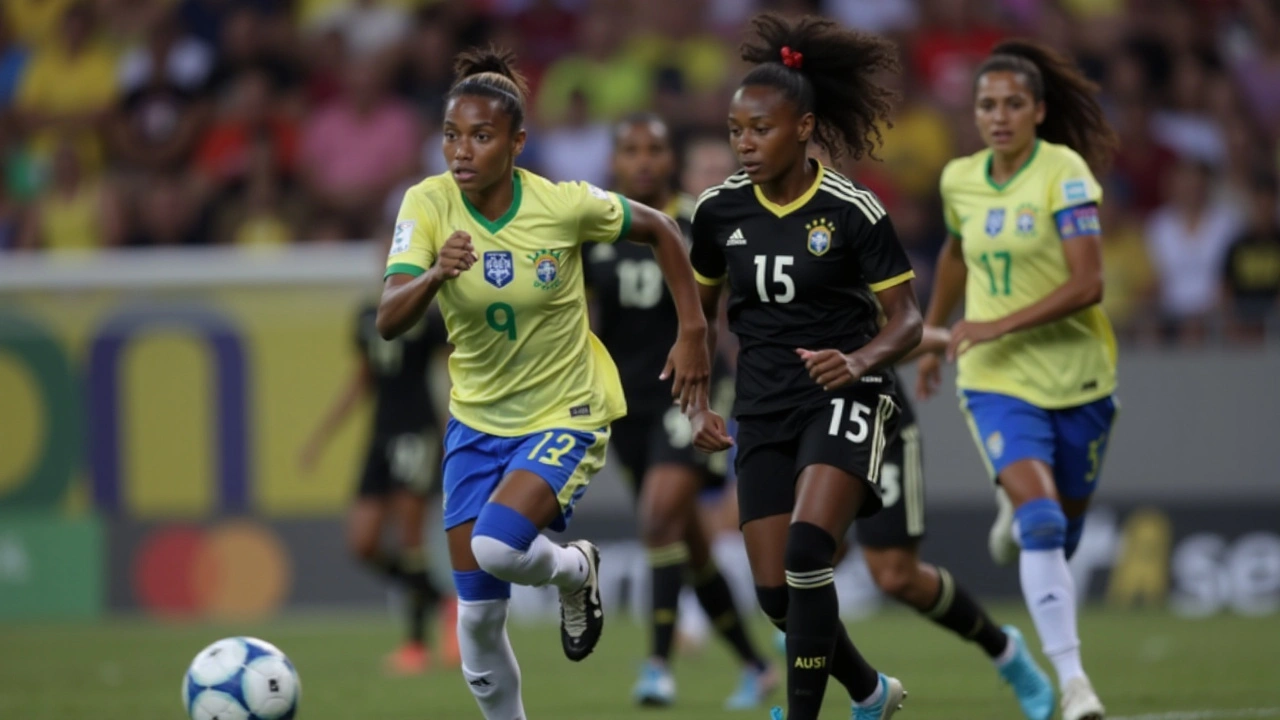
399 368
802 275
637 316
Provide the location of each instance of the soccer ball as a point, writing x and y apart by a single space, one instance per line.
241 678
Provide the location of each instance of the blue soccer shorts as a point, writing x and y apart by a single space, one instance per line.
1072 441
475 462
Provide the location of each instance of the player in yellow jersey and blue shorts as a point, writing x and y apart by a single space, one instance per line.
1036 355
534 392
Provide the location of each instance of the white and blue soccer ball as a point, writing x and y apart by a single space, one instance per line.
241 678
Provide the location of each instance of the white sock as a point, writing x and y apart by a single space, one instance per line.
1006 657
876 696
566 566
544 563
488 664
1050 593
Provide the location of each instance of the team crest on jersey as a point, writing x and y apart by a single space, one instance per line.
546 269
1025 224
499 270
995 221
820 233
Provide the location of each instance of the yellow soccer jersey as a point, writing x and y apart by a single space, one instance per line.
1013 251
524 359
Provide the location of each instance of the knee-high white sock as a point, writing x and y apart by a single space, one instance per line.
1050 593
543 563
488 664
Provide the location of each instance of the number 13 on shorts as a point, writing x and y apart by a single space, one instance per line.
550 452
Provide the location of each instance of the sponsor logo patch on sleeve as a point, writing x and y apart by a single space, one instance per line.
403 237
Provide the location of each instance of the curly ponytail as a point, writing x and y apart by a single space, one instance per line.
491 72
1073 116
828 71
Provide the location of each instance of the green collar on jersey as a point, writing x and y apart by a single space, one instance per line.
493 226
1035 150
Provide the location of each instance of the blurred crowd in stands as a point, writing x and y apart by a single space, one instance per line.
265 122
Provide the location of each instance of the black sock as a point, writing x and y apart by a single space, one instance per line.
667 573
813 614
716 599
423 595
848 667
852 670
383 562
956 610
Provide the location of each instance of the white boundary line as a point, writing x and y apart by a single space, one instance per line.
1241 714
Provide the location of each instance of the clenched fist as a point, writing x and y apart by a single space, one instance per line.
457 255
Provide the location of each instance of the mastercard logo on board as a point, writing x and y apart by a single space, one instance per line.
236 570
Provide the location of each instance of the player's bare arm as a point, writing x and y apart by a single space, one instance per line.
1081 290
710 433
405 298
901 333
948 289
689 361
357 388
933 341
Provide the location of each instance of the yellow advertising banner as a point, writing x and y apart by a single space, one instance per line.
176 403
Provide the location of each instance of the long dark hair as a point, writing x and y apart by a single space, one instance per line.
829 71
1073 116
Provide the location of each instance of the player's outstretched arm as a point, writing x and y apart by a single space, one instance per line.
948 283
1082 289
710 433
933 341
405 298
709 298
689 361
948 288
357 388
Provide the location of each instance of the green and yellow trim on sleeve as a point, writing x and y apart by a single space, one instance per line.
710 282
403 269
626 217
895 280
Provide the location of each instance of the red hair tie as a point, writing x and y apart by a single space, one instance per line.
791 58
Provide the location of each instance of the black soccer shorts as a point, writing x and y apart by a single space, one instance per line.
646 440
407 461
851 430
900 523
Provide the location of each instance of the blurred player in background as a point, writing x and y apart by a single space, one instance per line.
534 392
811 263
1036 354
401 471
636 321
707 161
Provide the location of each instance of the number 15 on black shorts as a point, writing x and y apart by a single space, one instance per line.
848 430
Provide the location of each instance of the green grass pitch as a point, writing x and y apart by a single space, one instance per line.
1145 665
